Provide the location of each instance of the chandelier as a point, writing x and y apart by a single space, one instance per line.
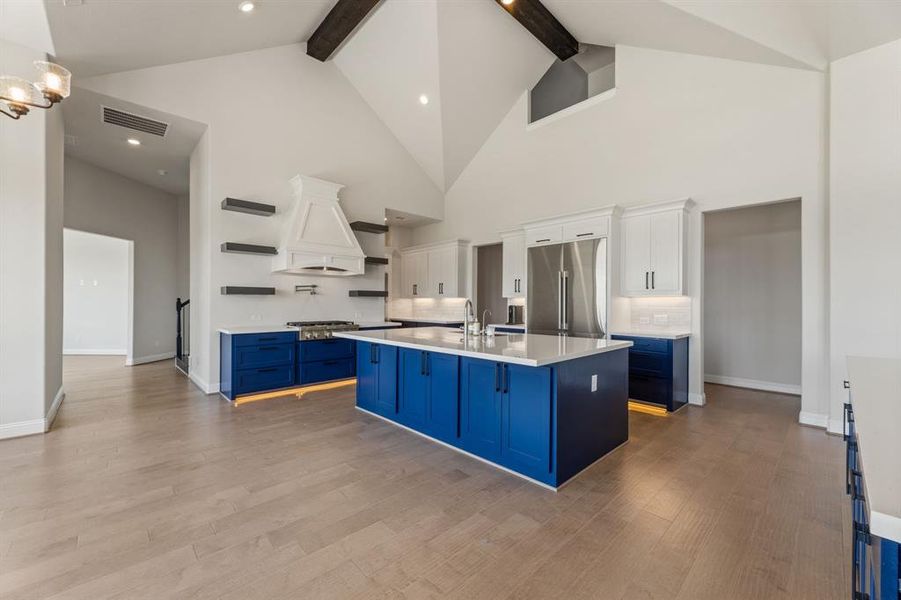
19 95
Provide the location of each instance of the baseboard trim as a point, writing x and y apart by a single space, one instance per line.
22 428
754 384
54 408
811 419
105 352
205 387
141 360
697 399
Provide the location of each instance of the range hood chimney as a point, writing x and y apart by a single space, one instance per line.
318 239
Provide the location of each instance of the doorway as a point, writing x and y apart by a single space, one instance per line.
96 294
752 297
489 283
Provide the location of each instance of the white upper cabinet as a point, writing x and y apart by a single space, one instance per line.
570 228
654 249
435 270
514 264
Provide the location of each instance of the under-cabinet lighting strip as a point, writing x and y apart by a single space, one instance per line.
295 391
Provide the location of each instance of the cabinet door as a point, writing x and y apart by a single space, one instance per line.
367 376
442 273
526 419
666 253
443 374
386 364
413 388
415 274
480 407
636 256
514 266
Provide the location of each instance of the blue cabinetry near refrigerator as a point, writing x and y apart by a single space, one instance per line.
658 370
875 565
256 362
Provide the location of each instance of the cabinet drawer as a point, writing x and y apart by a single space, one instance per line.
587 229
259 339
269 355
326 370
544 235
267 378
317 350
650 363
643 344
649 389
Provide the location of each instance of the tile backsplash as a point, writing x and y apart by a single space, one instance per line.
660 314
425 308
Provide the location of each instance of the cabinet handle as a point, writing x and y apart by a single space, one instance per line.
645 280
441 287
428 368
652 279
422 363
268 348
267 339
414 289
372 354
269 370
506 378
497 384
544 240
584 234
378 351
330 362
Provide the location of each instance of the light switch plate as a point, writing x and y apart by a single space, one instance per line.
644 320
594 383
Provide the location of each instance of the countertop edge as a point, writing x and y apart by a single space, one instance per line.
663 335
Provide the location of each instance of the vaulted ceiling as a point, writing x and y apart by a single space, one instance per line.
468 57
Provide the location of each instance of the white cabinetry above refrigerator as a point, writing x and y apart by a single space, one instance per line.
654 248
434 270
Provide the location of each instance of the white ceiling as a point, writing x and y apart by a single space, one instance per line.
105 145
106 36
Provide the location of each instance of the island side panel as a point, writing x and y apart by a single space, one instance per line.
590 424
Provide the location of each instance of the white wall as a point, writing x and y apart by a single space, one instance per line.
865 205
30 260
294 115
752 297
722 132
96 288
99 201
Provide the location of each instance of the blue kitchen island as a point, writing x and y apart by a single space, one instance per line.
543 407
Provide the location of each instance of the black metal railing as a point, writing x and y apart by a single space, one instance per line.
182 337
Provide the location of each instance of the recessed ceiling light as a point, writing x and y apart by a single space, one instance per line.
162 172
423 99
506 2
134 141
246 6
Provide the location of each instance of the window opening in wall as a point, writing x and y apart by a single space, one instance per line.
566 83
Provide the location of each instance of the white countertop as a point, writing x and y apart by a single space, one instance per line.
527 349
876 400
374 324
257 329
663 335
423 320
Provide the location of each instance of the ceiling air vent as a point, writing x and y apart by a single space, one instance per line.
135 122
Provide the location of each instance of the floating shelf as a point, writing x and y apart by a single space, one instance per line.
369 227
367 294
376 260
236 248
246 206
237 290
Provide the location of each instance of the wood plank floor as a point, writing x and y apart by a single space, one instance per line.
146 488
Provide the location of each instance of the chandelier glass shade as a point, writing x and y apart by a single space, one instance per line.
18 96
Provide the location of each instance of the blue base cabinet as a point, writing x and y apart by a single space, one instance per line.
875 561
543 422
257 362
325 360
658 370
427 392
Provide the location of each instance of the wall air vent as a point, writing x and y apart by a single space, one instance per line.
134 122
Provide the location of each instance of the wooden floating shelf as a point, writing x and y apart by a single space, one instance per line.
369 227
248 207
237 248
367 294
237 290
376 260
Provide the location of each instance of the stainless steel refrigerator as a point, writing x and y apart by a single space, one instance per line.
567 291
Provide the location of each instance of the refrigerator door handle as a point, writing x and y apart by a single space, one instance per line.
559 300
565 300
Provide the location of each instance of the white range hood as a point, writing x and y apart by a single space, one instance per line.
317 238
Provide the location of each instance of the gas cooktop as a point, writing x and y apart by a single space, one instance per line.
318 330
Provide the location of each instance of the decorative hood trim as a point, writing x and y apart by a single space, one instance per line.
318 239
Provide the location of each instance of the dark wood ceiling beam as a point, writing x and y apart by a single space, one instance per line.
541 23
336 26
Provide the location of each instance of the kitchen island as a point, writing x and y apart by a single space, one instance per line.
540 406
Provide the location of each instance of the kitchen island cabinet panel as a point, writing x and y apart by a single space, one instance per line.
527 408
480 407
427 396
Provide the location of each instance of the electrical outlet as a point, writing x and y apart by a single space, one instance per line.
644 320
661 319
594 383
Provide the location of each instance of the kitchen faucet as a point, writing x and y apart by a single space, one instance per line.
468 316
485 314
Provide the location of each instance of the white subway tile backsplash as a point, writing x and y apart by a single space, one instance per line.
661 314
425 308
